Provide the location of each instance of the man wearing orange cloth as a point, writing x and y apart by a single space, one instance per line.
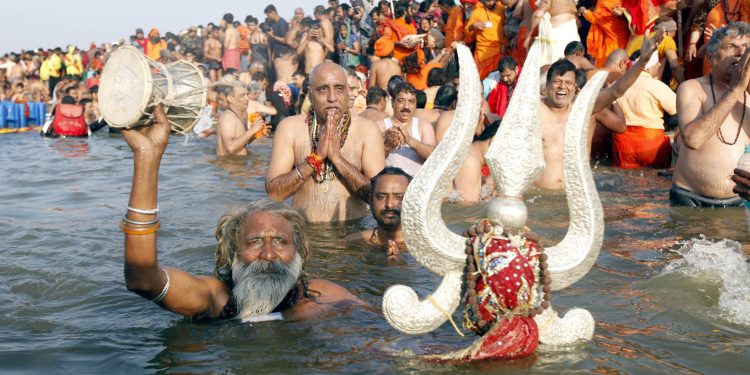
396 30
457 15
608 31
486 25
643 144
155 44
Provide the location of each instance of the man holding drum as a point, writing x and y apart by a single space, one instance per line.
324 159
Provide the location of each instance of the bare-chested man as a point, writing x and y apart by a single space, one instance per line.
212 55
313 47
388 189
556 20
232 133
409 141
382 70
285 64
326 26
561 89
376 103
231 57
260 257
710 115
325 161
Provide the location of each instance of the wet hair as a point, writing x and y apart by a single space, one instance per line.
421 98
403 87
574 47
70 89
507 62
446 96
375 94
436 77
489 131
392 82
733 29
319 10
388 171
251 19
345 7
399 11
231 227
559 68
225 90
425 5
67 99
270 8
315 24
307 22
411 63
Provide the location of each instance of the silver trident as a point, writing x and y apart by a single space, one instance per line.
515 159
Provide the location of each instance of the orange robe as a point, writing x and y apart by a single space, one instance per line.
717 18
396 30
490 42
608 32
454 28
419 81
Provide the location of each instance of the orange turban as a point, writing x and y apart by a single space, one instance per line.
153 33
384 47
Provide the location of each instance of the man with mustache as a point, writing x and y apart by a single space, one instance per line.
260 256
711 117
409 141
388 189
324 159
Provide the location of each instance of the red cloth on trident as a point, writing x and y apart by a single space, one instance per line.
511 338
643 13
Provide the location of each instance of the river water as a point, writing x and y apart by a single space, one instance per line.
669 295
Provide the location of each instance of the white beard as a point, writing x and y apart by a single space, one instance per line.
261 285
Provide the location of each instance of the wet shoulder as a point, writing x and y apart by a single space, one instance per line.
331 292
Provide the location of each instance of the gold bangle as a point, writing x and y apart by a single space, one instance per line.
139 231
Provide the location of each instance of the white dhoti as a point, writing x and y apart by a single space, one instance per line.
553 40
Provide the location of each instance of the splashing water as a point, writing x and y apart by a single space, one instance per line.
720 263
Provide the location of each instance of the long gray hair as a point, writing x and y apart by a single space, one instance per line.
231 227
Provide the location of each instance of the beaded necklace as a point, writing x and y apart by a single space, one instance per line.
327 174
742 118
729 15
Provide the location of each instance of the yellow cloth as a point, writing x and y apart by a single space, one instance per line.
44 70
153 49
490 42
666 44
55 63
645 102
73 65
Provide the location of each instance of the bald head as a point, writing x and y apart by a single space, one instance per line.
329 90
616 59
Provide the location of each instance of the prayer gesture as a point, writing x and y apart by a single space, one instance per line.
393 140
743 71
405 131
150 140
328 140
392 251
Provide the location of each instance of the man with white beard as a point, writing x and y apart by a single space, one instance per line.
260 256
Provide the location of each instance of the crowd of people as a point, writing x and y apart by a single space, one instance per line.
358 96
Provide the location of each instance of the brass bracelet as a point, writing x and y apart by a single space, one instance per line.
139 231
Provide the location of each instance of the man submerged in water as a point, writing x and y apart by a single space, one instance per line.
260 257
388 189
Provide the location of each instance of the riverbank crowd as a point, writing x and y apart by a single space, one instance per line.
681 108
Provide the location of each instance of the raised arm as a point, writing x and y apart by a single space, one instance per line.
178 291
610 94
697 127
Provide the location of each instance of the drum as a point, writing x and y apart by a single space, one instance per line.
131 85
